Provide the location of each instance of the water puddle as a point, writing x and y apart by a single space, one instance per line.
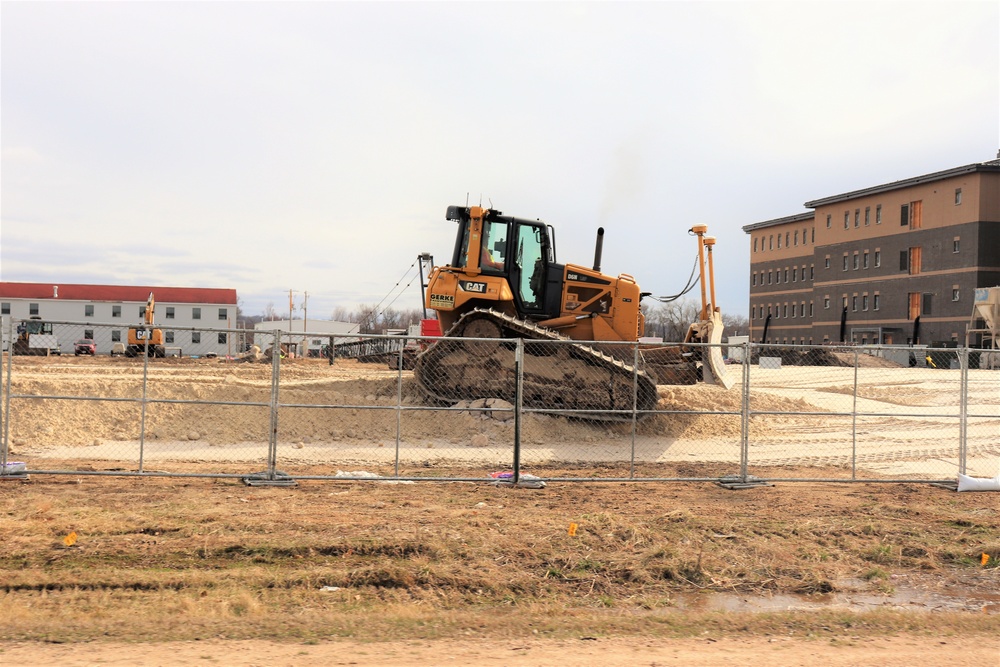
980 594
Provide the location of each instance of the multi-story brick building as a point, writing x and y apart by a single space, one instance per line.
892 264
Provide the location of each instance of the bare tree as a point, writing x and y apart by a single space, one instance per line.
342 314
671 320
736 324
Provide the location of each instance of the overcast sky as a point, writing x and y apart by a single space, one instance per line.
315 146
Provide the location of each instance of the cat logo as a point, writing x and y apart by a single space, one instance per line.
469 286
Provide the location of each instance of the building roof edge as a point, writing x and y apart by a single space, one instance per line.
990 166
798 217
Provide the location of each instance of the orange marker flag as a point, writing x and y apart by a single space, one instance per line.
70 539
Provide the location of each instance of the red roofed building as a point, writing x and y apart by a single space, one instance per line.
193 319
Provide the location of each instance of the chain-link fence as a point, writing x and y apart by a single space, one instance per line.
272 406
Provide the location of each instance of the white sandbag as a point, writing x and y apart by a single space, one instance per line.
966 483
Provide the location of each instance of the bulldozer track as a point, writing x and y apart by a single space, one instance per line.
569 376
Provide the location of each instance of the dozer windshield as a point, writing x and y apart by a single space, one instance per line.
530 262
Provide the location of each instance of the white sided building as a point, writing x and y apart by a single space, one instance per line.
188 316
306 337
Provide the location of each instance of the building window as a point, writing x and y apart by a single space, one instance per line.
168 337
768 277
864 302
793 311
779 241
32 309
196 313
116 311
878 258
795 274
812 272
904 215
116 336
788 235
170 314
854 303
864 259
796 237
878 214
88 333
927 304
770 242
914 260
958 196
753 279
847 219
828 220
827 262
5 308
857 217
875 301
784 311
868 215
88 311
855 261
755 244
845 261
222 314
786 275
222 338
826 302
196 337
810 309
954 245
954 294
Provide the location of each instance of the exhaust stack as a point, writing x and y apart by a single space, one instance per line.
599 249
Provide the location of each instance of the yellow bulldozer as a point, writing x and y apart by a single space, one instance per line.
504 282
146 340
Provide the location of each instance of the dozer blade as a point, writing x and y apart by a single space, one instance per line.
713 360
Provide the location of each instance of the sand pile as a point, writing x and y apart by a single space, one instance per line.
326 404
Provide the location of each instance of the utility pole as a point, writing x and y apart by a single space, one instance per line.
291 307
425 262
305 322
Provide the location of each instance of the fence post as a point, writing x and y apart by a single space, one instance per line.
145 396
854 418
963 408
745 414
518 388
272 445
635 406
399 408
6 333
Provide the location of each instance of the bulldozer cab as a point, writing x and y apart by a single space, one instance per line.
501 249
